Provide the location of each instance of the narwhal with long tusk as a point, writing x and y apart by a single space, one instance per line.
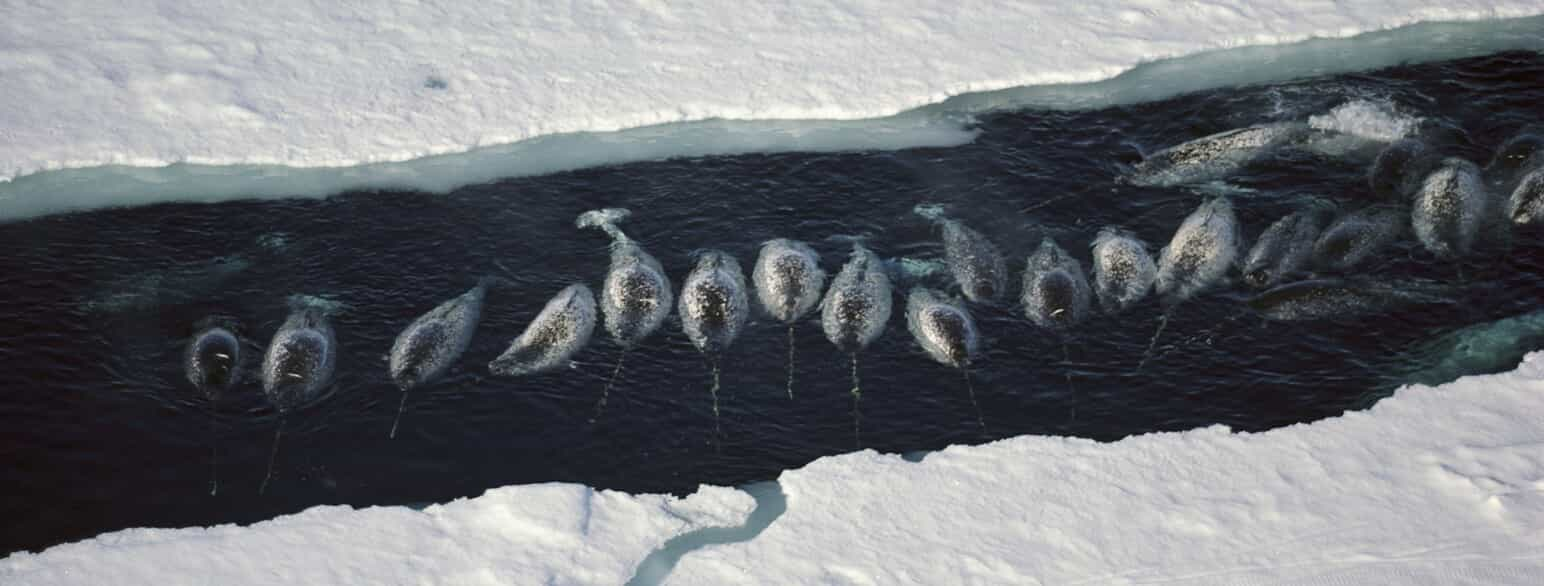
212 363
945 330
713 306
428 347
1056 295
636 296
1203 249
300 361
789 282
855 311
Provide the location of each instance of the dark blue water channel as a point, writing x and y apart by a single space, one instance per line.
100 431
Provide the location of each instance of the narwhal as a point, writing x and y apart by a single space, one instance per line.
1214 156
1056 295
978 267
1355 237
1526 205
636 296
1318 299
560 330
713 308
789 282
1397 172
299 362
1450 207
212 363
1123 269
1200 254
855 311
1283 250
428 347
946 331
1519 155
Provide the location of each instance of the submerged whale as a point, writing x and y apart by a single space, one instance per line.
1214 156
561 329
943 327
1483 348
1520 154
713 302
212 361
1123 269
1056 294
1355 237
1319 299
636 296
1450 207
977 265
1283 250
1396 173
1203 248
301 358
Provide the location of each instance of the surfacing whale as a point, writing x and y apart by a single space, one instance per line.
430 345
636 296
945 330
300 361
978 267
855 311
1214 156
714 306
1124 271
789 282
560 330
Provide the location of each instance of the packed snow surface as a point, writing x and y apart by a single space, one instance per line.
534 534
1435 485
327 84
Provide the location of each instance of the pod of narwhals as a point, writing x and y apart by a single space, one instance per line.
1448 204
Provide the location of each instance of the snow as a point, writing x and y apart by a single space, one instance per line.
1435 485
247 86
1439 485
535 534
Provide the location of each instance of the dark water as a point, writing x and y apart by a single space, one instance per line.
99 430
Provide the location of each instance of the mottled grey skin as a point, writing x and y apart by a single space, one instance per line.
857 306
1215 156
1124 271
714 302
1335 298
563 327
1526 205
978 266
1204 247
1056 294
212 361
428 347
1283 250
788 279
636 296
1397 172
1450 208
1358 236
302 356
942 326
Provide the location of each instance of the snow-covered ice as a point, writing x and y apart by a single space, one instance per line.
251 85
534 534
1435 485
1439 485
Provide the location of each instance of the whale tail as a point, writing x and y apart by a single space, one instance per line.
605 219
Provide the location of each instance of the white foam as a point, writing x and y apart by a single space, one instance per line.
242 94
1371 120
535 534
